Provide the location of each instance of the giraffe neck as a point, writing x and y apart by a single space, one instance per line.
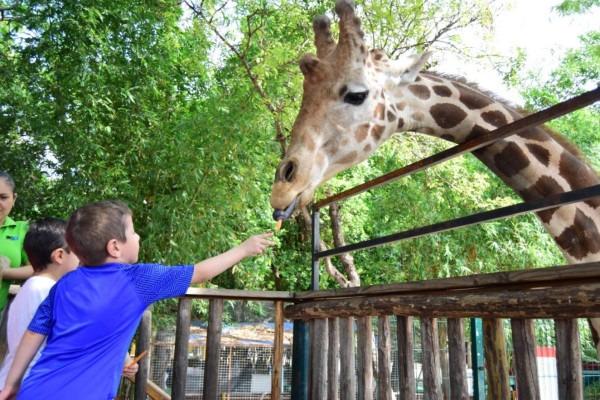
535 163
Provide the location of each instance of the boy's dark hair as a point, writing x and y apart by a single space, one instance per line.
92 226
43 237
9 180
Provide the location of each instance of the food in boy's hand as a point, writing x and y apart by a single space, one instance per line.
138 358
278 225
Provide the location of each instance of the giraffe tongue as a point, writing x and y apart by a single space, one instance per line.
285 214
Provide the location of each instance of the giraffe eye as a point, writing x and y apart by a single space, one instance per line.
356 98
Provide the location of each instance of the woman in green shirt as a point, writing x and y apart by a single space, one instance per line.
13 260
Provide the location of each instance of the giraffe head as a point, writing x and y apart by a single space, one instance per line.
344 114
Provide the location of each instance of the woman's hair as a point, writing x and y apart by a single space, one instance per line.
42 238
92 226
9 180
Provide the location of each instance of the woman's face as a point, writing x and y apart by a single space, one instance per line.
7 199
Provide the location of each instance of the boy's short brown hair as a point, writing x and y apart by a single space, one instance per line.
92 226
43 237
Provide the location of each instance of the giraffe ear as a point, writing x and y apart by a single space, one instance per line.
408 69
312 69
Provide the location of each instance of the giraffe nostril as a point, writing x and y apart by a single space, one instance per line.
287 171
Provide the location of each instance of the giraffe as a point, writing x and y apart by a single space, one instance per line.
354 99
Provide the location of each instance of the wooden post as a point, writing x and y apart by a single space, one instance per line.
444 361
348 372
457 360
568 360
319 342
432 375
213 349
182 337
406 365
333 360
384 350
143 344
496 360
277 352
526 371
365 358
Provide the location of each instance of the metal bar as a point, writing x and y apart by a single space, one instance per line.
477 360
529 121
486 216
316 241
300 361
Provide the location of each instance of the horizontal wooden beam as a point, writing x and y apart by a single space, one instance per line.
234 294
575 300
588 271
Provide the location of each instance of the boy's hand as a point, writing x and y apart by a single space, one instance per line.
257 244
129 370
9 393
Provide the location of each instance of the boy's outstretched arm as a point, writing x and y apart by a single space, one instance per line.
211 267
28 347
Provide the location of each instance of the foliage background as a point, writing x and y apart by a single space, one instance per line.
182 117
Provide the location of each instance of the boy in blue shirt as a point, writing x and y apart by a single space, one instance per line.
91 314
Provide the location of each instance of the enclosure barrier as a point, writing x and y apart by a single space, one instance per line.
216 297
561 293
333 369
517 300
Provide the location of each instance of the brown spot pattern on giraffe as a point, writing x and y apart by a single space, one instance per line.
418 116
581 238
347 159
400 106
442 91
367 148
578 175
544 187
539 152
470 98
362 132
511 160
400 123
495 118
476 132
379 111
376 131
447 115
421 91
391 116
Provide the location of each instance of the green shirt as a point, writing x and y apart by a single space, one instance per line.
12 234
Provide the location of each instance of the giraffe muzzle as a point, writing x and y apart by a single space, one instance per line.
285 214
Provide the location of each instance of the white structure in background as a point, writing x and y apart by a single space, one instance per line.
547 373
